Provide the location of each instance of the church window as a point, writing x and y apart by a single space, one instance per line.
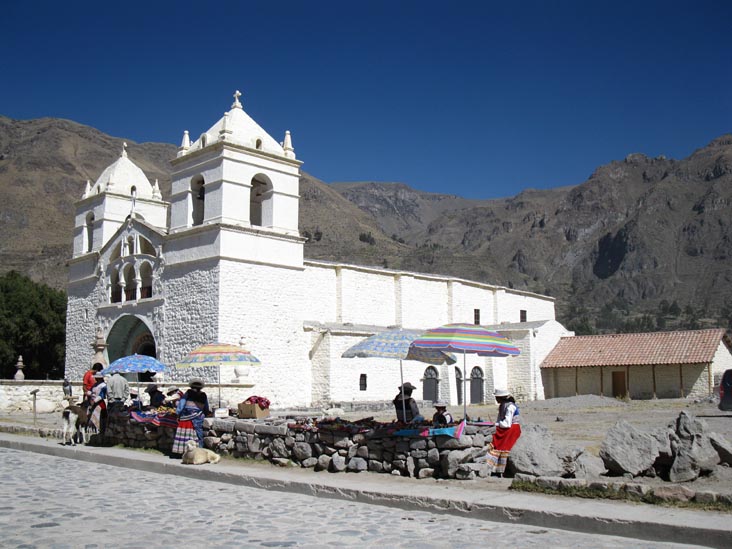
89 232
362 382
145 280
258 144
198 196
260 201
476 316
131 245
430 384
522 315
476 386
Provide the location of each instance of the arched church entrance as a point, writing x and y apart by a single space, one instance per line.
130 335
430 389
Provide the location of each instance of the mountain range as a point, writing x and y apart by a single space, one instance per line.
638 234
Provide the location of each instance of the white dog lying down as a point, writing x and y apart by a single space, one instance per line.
198 456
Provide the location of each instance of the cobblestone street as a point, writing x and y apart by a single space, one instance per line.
57 502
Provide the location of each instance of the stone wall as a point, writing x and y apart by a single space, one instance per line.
15 396
280 443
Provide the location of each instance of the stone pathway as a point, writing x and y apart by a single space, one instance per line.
56 502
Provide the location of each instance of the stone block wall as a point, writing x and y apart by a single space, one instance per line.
278 442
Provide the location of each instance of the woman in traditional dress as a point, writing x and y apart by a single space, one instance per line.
508 430
98 409
192 409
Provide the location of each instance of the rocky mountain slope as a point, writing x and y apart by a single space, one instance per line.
638 231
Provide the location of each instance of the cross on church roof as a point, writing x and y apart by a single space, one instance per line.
236 104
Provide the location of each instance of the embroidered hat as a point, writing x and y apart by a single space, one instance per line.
501 393
196 382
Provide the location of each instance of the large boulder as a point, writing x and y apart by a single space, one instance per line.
628 450
533 453
722 446
693 453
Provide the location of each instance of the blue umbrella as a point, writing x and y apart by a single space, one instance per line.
134 364
397 344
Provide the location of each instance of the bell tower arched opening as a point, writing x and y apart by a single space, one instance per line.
260 201
198 198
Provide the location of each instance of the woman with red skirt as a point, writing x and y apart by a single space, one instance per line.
508 430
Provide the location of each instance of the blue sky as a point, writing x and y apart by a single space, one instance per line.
478 99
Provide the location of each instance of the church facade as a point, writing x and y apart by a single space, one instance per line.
222 261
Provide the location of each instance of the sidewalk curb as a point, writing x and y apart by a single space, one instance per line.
585 516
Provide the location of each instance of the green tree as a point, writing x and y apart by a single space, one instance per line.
674 309
32 324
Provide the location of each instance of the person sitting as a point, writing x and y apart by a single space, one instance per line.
442 416
406 408
134 403
156 395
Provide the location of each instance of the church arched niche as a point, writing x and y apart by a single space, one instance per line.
130 335
146 273
198 198
430 384
130 283
260 201
89 232
114 286
146 246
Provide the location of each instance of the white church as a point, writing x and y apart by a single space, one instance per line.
223 261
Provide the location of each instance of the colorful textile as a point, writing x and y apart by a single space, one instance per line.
455 432
154 418
500 448
183 434
98 418
261 401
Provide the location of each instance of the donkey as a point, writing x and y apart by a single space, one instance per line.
74 419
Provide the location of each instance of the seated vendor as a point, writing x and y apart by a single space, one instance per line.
442 416
156 395
407 410
134 402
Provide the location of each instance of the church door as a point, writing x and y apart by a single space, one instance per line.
430 384
476 386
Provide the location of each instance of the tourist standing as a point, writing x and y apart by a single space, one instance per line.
191 409
89 381
508 430
98 410
118 391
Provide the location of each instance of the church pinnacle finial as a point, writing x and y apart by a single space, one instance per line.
236 104
124 149
287 145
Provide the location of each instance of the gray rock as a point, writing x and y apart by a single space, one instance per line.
418 444
705 497
569 483
302 451
521 477
674 493
722 446
323 462
410 466
362 452
449 462
352 451
636 489
449 443
533 453
282 462
243 426
337 463
589 466
694 453
628 450
265 429
211 442
426 473
309 462
548 483
223 425
433 456
279 449
357 464
254 443
376 466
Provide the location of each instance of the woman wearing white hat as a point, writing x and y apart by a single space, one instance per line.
508 430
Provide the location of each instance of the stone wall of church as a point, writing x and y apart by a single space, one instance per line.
264 305
191 313
81 320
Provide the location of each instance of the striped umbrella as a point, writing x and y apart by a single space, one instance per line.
466 338
396 344
217 354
